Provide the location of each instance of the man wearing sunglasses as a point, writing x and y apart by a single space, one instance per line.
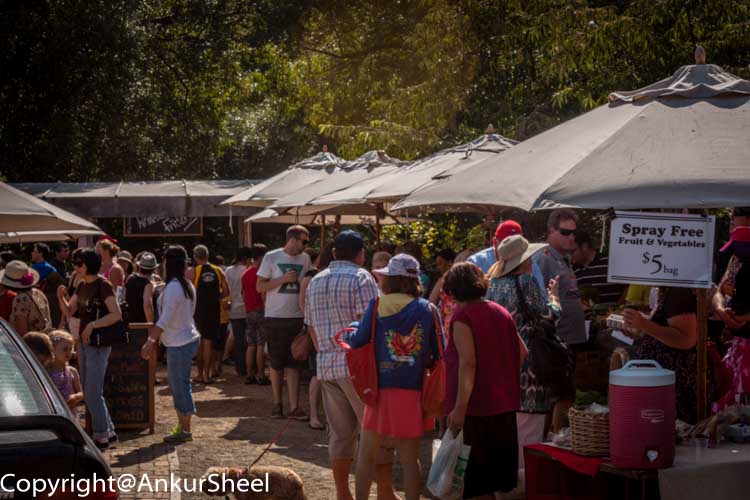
279 278
552 262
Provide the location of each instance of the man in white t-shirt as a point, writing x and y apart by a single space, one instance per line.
279 278
237 310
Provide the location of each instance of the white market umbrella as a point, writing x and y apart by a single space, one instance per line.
683 142
371 165
23 213
392 186
295 177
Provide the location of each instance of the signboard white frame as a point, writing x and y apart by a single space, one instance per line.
660 249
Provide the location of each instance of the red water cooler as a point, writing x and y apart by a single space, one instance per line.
641 415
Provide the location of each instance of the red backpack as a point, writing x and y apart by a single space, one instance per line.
362 365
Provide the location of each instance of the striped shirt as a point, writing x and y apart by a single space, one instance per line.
592 282
335 297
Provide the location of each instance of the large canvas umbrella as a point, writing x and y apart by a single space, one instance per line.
23 213
295 177
683 142
371 165
392 186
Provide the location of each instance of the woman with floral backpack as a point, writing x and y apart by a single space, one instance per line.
408 344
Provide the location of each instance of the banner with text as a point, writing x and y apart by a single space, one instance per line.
661 249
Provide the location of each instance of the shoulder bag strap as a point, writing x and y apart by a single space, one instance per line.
374 318
438 328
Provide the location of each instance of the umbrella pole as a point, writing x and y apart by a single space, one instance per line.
700 388
378 208
322 232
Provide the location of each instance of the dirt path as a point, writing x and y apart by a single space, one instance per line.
232 428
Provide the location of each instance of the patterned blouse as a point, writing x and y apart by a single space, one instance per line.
32 305
535 398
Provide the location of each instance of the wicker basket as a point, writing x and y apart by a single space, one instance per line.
589 433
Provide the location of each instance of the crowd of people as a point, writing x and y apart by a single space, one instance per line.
479 314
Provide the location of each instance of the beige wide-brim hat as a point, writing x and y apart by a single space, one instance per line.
512 252
17 275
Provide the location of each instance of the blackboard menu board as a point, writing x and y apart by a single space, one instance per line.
129 385
163 226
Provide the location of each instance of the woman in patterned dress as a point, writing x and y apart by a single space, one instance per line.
506 281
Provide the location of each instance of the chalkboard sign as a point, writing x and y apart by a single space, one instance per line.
163 226
129 384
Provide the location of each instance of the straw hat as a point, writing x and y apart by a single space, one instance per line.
512 252
18 276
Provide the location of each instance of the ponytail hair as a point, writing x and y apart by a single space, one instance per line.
175 259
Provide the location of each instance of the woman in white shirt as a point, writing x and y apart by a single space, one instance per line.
177 332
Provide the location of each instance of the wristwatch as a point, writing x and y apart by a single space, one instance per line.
151 340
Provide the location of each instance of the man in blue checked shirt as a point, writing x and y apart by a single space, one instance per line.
336 297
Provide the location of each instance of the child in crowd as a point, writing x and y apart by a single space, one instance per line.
40 345
64 376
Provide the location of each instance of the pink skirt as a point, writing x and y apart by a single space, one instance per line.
398 414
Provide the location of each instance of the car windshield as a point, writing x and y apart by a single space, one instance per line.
20 391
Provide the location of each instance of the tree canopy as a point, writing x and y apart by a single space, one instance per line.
133 90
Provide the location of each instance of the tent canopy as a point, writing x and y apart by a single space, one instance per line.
683 142
140 199
21 212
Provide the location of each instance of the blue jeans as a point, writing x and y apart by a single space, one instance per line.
93 368
179 364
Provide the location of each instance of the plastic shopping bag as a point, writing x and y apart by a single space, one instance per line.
446 478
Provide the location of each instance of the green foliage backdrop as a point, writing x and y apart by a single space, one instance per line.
134 90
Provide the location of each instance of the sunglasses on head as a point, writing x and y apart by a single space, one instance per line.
567 232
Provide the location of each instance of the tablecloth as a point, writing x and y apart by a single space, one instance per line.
583 465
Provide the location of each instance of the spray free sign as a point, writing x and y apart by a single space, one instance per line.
661 249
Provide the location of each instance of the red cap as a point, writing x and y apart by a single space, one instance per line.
739 235
507 228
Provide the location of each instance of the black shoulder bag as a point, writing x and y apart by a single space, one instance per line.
107 336
550 360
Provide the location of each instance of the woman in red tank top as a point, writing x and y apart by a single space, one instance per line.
483 361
